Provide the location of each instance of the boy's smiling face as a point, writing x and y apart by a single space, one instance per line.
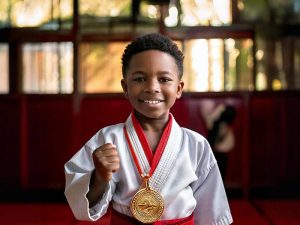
152 83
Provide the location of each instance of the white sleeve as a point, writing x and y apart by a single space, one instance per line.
78 171
212 204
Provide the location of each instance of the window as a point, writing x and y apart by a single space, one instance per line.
277 61
52 14
4 86
275 12
295 77
100 15
210 65
48 67
218 65
200 13
100 67
105 8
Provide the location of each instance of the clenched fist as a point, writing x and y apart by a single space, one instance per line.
106 161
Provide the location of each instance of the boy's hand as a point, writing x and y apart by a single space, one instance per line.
106 161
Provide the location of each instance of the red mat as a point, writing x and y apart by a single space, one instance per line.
243 213
280 212
273 212
41 214
35 214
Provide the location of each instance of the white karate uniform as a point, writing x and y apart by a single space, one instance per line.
187 177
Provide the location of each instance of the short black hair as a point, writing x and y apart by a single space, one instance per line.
153 41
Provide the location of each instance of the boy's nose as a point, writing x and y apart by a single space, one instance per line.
152 86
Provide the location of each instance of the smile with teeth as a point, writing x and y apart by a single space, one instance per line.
152 101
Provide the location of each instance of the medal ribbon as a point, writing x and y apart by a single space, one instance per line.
152 159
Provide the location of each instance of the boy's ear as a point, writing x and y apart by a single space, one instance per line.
180 89
124 86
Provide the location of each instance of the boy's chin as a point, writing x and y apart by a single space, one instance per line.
152 115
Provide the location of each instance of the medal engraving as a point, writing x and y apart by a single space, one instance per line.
147 205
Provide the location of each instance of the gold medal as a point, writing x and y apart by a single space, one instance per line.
147 205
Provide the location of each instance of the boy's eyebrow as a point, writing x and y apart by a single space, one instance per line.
165 72
138 73
159 72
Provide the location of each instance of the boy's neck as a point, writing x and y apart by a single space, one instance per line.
153 129
150 124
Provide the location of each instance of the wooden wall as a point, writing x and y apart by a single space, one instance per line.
39 133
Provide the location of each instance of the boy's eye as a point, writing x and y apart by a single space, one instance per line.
164 79
139 79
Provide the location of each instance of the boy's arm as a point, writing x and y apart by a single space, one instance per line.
106 161
78 172
96 189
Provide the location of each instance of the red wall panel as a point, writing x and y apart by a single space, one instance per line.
39 133
267 137
10 120
50 129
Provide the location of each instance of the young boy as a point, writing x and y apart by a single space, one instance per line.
151 169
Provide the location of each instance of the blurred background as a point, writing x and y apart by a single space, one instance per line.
60 72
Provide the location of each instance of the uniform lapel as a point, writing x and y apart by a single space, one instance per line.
165 154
